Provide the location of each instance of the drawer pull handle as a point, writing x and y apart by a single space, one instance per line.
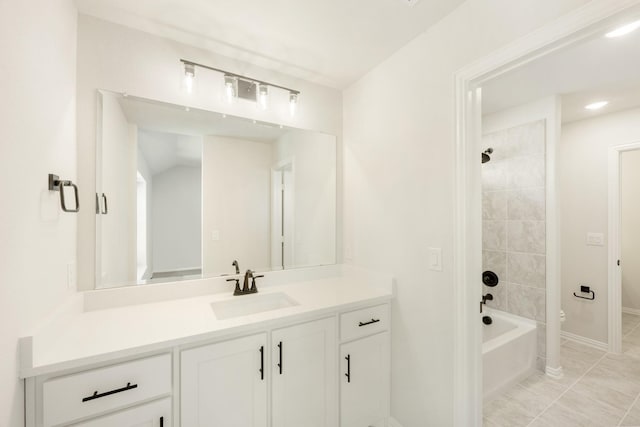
280 356
262 363
161 421
95 395
372 321
348 374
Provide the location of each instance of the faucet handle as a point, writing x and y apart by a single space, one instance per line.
253 283
236 291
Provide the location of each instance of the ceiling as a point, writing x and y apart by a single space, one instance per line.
163 151
170 135
331 42
597 69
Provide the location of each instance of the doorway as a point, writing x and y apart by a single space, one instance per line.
593 19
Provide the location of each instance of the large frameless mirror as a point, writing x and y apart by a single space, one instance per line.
182 193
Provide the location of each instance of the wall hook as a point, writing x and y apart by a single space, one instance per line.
55 184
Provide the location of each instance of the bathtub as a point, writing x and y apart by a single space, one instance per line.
508 351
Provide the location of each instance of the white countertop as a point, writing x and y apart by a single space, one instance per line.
80 337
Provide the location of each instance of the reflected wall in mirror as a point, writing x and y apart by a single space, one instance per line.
182 193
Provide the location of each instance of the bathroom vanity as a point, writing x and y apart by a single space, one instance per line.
311 348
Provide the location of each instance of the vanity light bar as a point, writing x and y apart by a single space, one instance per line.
189 64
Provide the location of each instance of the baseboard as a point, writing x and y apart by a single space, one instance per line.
631 311
555 373
584 340
394 423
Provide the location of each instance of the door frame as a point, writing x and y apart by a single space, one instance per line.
614 247
593 18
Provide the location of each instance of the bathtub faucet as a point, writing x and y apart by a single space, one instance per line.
485 298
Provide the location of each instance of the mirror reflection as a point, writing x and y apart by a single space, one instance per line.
182 193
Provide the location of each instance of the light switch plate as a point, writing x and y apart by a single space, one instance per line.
434 259
215 235
595 239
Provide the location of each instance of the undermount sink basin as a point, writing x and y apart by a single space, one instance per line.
244 305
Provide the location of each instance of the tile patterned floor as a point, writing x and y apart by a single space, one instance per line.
599 389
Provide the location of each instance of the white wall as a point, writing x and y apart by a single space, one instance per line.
176 229
399 131
236 189
314 157
37 137
117 229
120 59
630 228
583 177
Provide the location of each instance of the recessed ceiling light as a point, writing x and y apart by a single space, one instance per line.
624 30
596 105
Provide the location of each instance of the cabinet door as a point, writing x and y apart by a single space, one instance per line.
304 375
365 381
224 384
154 414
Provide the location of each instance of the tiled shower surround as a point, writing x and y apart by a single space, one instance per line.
513 216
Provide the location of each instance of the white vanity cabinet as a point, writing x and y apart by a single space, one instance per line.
365 368
304 372
326 370
225 384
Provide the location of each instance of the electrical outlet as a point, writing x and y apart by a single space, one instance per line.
434 260
595 239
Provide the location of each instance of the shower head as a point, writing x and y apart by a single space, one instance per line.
485 155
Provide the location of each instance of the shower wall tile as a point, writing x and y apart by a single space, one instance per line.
526 301
494 205
527 140
526 236
513 213
495 261
526 269
526 204
525 171
494 235
494 175
499 293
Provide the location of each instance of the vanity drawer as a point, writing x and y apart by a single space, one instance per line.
100 390
363 322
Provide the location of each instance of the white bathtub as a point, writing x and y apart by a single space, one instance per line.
508 351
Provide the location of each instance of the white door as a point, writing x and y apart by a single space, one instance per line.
304 375
154 414
365 382
225 384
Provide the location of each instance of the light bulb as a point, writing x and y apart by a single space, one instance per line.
230 87
263 95
189 76
293 103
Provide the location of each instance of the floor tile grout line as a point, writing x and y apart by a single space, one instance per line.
568 388
629 409
631 331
